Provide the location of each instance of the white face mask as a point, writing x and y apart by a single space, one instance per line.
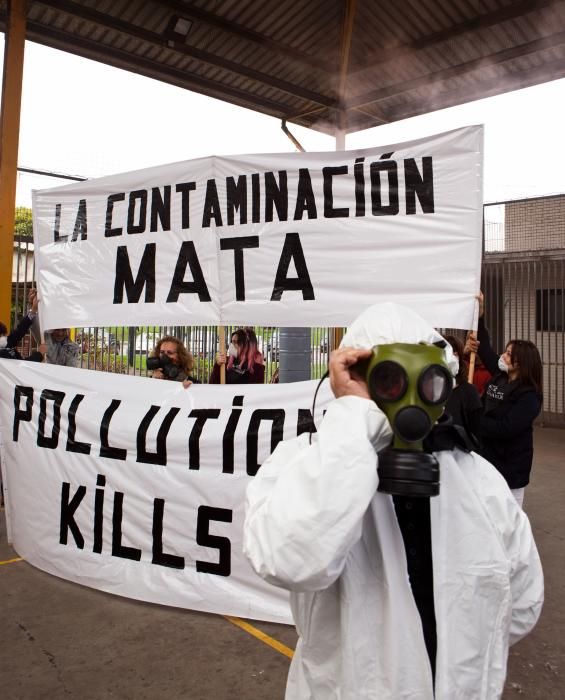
232 350
3 342
502 366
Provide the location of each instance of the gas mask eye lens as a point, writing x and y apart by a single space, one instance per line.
388 381
434 385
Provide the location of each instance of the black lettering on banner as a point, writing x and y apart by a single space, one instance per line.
159 557
255 198
98 513
73 445
421 185
331 212
390 167
276 415
229 435
112 199
145 276
134 197
359 175
118 549
277 194
68 509
205 539
238 245
185 188
160 208
56 397
236 196
201 415
159 457
57 225
292 250
187 256
106 450
305 423
80 222
19 413
211 206
305 200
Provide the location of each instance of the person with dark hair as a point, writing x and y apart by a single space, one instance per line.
244 363
464 405
175 361
512 401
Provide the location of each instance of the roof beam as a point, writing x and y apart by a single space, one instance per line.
370 98
475 24
552 70
117 58
344 56
188 10
105 20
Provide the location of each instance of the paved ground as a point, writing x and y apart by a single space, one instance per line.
59 640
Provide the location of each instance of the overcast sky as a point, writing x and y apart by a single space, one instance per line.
84 118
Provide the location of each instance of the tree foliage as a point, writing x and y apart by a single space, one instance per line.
23 223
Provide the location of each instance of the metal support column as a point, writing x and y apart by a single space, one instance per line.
9 137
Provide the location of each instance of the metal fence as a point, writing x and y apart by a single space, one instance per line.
524 291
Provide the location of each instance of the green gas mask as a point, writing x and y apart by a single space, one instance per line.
410 383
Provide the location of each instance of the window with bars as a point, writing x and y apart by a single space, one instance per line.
550 310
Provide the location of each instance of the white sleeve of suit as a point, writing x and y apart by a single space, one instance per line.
526 574
305 507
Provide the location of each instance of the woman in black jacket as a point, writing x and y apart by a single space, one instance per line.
512 401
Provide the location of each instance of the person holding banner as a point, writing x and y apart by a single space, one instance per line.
9 341
409 586
512 401
244 363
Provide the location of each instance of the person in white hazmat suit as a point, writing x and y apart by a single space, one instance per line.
393 597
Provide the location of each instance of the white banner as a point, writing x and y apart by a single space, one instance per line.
136 486
305 239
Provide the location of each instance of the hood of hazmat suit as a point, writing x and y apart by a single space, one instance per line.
317 526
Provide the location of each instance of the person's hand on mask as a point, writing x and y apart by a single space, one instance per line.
158 374
343 381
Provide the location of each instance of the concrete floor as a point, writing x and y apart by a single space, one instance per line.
62 641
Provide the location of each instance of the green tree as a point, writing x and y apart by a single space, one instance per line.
23 224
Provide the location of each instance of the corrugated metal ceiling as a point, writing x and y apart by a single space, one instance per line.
289 59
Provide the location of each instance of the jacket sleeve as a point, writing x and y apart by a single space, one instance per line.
486 353
518 417
18 333
305 506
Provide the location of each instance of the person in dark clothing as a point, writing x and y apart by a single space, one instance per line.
9 341
244 363
464 405
511 402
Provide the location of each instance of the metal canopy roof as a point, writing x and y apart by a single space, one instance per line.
324 64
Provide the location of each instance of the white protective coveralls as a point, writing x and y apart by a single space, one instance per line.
316 525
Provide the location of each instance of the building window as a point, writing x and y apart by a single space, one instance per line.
550 310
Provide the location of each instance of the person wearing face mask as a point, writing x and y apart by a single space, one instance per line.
170 360
411 568
511 402
244 363
464 405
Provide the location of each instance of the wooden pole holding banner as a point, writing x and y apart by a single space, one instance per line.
9 137
471 372
222 343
